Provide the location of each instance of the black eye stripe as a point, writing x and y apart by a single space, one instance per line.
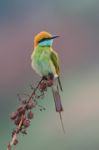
44 39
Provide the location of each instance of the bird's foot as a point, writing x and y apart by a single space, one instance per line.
44 78
50 76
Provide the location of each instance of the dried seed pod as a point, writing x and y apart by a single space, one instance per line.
30 105
30 115
49 83
15 142
43 86
9 147
13 132
21 110
17 121
13 115
26 123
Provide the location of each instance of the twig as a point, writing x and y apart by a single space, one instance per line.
23 115
14 136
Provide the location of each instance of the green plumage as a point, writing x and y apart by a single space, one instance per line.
45 61
55 60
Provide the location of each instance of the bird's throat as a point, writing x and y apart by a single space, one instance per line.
46 43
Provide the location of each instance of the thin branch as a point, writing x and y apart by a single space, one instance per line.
23 115
19 127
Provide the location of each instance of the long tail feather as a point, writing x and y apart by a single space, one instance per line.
57 99
62 122
60 85
58 105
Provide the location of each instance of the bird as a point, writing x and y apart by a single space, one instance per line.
45 62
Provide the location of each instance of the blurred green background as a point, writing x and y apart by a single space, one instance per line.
77 22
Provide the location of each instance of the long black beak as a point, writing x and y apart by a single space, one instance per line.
50 38
54 37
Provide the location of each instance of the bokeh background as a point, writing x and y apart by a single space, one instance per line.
77 22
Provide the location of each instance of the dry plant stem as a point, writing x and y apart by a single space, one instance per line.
35 90
14 137
15 134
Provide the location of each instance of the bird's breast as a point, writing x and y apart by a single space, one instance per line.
41 62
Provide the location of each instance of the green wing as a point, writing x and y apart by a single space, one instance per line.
55 60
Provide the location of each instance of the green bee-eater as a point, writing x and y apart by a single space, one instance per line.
45 61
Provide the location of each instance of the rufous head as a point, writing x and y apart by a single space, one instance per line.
43 38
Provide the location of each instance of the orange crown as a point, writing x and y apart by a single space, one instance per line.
40 36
